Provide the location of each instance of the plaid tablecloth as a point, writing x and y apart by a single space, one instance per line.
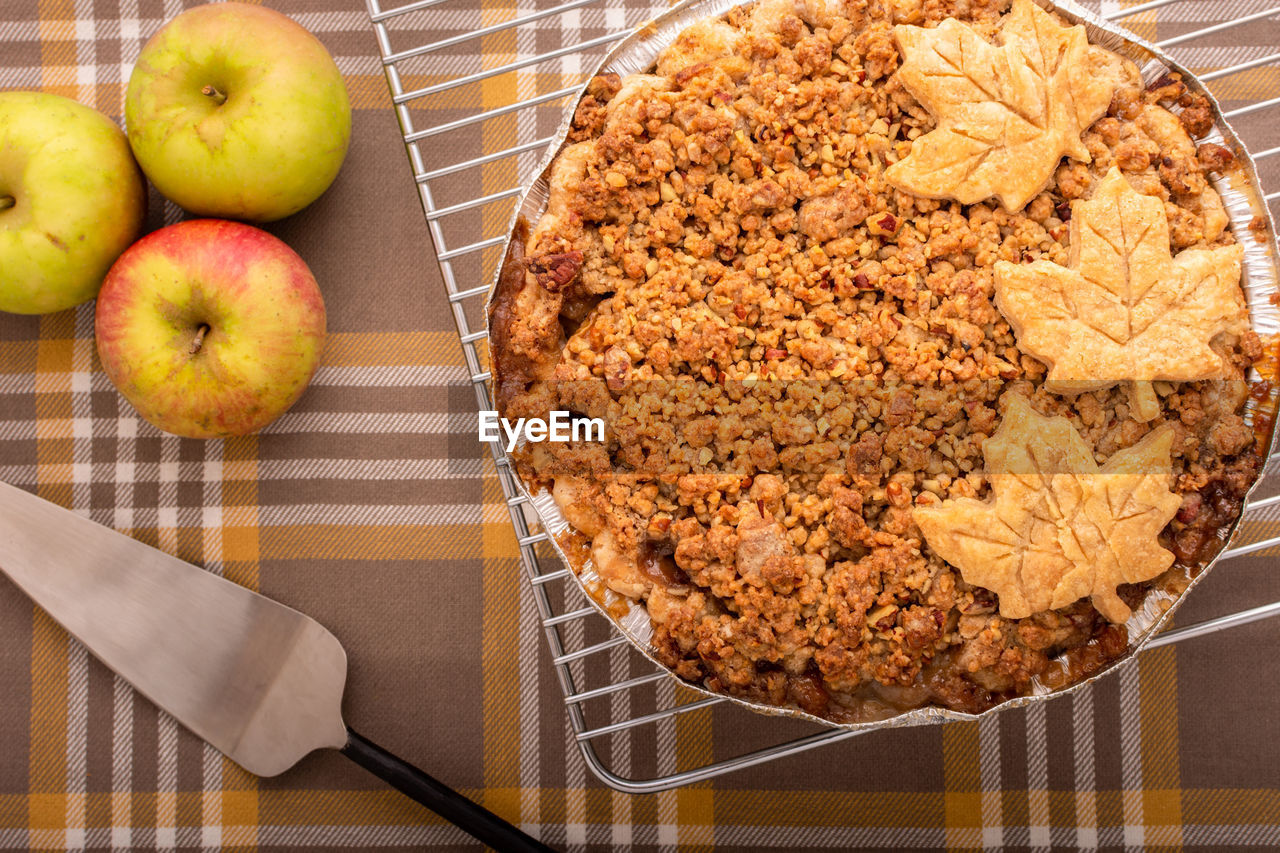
372 507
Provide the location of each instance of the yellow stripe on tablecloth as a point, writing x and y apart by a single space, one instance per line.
240 556
1256 531
18 357
1015 807
376 542
500 661
47 763
58 62
1254 85
381 807
373 349
49 359
1228 807
1111 808
1062 808
366 91
502 583
962 811
1143 26
695 804
241 547
736 807
1231 806
50 805
1161 770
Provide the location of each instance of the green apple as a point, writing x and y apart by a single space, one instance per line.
71 200
210 328
236 111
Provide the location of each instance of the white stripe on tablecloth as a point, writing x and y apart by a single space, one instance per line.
1134 838
369 469
829 837
167 504
449 837
29 76
356 423
1086 776
992 781
1263 836
211 802
429 423
1185 12
832 837
620 836
77 742
364 837
392 376
573 636
18 31
526 120
427 376
86 53
121 764
25 77
1037 778
211 509
668 814
77 655
130 35
166 782
1203 59
123 473
165 522
166 474
210 522
355 514
529 640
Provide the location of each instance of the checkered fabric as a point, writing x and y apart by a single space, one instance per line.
372 507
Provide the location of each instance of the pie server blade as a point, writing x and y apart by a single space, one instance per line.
259 681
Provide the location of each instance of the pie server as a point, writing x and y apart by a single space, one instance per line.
259 681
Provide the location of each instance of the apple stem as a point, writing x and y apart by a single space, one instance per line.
199 341
6 202
212 92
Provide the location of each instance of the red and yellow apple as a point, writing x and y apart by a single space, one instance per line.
210 328
237 111
71 200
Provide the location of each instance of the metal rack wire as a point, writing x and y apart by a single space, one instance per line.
520 117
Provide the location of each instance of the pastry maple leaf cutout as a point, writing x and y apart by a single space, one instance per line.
1126 309
1007 112
1058 528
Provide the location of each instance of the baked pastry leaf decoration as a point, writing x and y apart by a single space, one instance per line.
1007 112
1125 309
1058 527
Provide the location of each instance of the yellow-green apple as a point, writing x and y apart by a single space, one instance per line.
236 111
210 328
71 200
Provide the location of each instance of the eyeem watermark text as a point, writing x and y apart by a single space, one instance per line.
562 426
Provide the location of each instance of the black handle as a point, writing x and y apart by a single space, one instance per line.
440 798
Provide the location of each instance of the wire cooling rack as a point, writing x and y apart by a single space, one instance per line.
477 110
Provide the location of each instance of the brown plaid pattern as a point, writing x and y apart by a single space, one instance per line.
372 507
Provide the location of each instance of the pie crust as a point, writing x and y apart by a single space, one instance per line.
809 343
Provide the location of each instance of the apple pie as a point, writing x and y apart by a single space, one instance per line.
918 332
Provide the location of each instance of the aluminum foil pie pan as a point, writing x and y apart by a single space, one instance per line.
1242 198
